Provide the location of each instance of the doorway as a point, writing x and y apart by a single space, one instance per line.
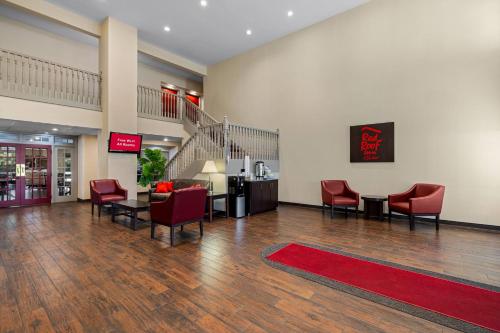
169 103
25 174
65 160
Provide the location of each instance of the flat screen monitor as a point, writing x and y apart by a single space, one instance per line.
124 143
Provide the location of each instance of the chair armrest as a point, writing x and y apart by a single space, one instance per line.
351 193
326 195
161 212
405 196
156 208
121 190
95 195
429 204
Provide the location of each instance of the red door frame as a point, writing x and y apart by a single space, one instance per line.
21 180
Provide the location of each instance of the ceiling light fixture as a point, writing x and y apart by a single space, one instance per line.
166 28
249 32
55 129
166 139
290 13
203 3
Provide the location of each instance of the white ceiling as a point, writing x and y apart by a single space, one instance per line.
214 33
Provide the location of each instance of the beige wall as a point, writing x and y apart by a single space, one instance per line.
23 38
87 164
431 66
164 128
153 78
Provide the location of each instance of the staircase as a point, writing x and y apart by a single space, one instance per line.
210 139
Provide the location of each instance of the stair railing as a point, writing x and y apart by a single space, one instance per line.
224 141
197 116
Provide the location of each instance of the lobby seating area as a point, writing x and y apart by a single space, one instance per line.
160 163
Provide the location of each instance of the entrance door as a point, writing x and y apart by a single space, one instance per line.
10 185
65 163
36 180
25 174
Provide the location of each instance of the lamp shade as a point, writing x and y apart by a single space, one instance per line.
209 167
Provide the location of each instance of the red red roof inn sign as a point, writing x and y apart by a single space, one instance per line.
372 143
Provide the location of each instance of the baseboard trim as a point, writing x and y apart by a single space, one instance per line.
82 200
404 217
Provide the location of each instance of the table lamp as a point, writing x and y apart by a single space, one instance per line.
209 168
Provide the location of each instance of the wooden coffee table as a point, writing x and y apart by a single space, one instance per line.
374 206
129 208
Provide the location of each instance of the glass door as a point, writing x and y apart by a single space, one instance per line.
10 171
36 176
65 161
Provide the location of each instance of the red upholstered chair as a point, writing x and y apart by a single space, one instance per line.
182 207
103 191
337 193
420 200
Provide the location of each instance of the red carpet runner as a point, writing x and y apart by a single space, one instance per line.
453 299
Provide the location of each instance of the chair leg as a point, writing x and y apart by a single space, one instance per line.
390 216
356 212
171 236
201 228
331 213
412 222
153 226
345 211
182 228
323 209
92 209
437 222
99 210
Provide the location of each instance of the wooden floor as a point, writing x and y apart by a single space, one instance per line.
62 270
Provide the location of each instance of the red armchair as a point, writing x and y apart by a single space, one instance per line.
183 207
104 191
337 193
420 200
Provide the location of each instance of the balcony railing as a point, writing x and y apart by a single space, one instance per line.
27 77
160 105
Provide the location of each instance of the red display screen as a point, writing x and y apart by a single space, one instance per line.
124 143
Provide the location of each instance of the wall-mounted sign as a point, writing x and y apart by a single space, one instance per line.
124 143
372 143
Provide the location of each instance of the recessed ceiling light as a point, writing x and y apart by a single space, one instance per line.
55 129
166 28
290 13
249 32
203 3
166 139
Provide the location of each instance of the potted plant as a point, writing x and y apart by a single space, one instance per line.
153 167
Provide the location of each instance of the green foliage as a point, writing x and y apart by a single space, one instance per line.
153 166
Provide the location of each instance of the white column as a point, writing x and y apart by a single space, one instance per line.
87 164
118 63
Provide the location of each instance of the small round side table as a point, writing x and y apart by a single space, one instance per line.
374 206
